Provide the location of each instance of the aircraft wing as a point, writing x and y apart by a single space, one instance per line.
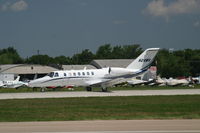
106 82
94 82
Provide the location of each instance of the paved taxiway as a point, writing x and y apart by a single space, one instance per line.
108 126
98 94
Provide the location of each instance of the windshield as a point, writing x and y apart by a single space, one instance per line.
50 74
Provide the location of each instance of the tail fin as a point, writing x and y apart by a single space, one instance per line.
144 60
17 79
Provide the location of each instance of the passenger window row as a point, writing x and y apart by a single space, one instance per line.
78 74
52 74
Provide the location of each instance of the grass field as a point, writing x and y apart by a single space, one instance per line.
26 89
101 108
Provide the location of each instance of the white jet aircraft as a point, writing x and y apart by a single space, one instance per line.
96 77
13 84
1 84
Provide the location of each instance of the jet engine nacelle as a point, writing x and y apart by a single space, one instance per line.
118 71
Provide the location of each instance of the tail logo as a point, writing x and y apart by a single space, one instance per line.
144 60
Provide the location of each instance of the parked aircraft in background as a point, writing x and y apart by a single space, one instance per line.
175 82
170 82
97 77
1 84
158 81
139 82
195 80
13 84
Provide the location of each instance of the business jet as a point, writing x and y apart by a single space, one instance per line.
97 77
13 84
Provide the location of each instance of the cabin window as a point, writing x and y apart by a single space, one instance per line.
56 75
65 74
79 74
88 73
70 74
50 74
74 74
83 73
92 73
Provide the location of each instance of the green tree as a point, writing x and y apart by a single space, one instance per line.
62 60
170 65
5 59
117 52
10 56
40 59
85 57
131 51
104 52
194 62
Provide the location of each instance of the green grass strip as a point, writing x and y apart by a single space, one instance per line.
101 108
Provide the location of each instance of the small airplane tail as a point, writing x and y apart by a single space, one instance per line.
144 60
17 79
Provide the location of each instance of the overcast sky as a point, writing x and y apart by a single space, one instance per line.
65 27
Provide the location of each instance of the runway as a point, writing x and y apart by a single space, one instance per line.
104 126
99 94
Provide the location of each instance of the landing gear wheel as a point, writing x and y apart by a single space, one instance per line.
42 90
104 89
89 88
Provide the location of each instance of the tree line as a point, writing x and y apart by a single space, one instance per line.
169 63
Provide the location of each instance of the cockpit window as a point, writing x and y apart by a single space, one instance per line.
50 74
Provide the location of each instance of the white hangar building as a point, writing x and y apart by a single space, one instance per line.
25 71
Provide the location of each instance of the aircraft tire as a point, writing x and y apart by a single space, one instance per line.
89 88
104 89
42 90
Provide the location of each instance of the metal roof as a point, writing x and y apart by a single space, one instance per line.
77 67
111 63
26 69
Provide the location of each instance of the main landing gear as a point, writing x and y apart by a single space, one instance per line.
103 89
88 88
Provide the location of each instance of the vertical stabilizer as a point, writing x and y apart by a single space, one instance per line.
144 60
17 79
